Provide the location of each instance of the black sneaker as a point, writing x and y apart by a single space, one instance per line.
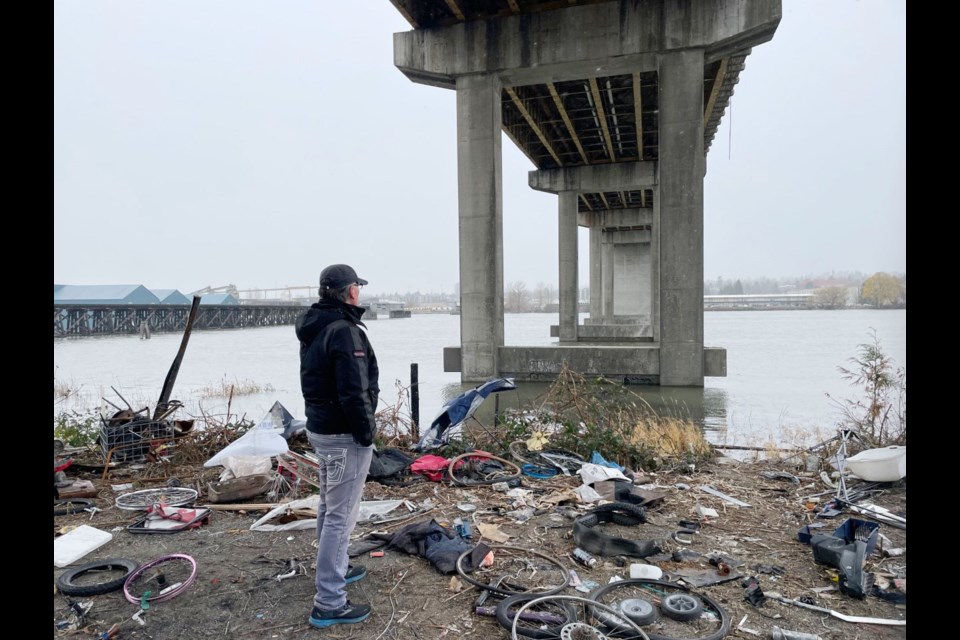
347 614
354 573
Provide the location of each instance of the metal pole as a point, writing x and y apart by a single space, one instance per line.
414 394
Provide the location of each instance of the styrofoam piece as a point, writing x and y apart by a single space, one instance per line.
886 464
72 546
707 512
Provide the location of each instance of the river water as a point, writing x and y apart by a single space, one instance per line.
781 369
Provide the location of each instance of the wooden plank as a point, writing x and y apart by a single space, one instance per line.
409 18
638 113
598 105
715 89
456 10
533 125
566 120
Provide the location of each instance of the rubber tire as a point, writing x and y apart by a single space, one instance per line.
716 635
538 634
81 504
67 588
622 513
691 608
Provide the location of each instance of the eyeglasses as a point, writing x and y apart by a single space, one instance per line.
358 285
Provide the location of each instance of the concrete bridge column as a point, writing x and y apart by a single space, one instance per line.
481 225
680 189
567 250
596 288
655 269
606 275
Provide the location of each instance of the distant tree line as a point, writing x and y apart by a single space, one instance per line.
833 291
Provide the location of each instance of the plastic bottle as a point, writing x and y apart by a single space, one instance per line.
584 558
783 634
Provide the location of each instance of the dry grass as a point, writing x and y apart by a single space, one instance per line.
225 389
395 425
672 437
63 390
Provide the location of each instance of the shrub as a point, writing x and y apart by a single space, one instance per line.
76 429
879 418
584 416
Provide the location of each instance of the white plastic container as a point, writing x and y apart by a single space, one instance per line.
887 464
72 546
645 571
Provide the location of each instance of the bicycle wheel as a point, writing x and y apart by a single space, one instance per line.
542 622
509 473
568 462
160 579
519 452
704 618
536 573
94 578
584 629
146 498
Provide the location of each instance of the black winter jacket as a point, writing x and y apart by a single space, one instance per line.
338 371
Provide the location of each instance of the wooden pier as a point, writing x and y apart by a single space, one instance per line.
74 320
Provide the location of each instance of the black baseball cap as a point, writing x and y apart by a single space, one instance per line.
339 275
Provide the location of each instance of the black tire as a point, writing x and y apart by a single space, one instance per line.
67 586
622 513
74 505
514 602
681 606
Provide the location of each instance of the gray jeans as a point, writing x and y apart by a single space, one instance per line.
343 470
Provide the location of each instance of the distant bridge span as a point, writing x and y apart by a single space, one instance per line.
75 320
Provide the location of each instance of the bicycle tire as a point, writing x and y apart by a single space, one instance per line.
518 448
68 587
506 621
704 598
164 593
640 633
72 505
474 483
145 498
507 592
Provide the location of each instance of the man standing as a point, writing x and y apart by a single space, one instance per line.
338 377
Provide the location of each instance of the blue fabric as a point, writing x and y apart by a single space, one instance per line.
536 471
599 459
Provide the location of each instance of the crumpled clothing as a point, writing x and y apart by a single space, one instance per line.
436 543
431 466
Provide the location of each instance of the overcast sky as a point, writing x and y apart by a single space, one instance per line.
252 142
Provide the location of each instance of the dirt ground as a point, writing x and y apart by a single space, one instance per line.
236 594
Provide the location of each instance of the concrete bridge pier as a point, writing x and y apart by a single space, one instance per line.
569 266
616 104
481 224
679 194
621 261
